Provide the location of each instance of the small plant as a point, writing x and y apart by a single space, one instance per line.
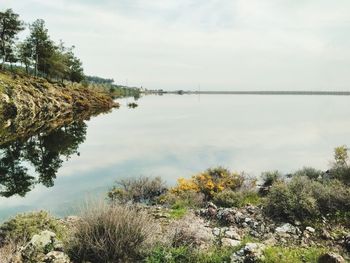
210 182
269 178
111 234
278 254
22 227
229 198
142 189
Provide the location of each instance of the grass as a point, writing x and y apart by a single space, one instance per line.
178 210
185 254
279 254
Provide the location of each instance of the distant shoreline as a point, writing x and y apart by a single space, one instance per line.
270 92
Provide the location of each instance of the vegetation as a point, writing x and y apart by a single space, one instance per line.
229 198
277 254
143 189
210 182
111 234
22 227
38 53
185 254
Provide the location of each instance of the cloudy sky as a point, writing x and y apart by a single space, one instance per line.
217 44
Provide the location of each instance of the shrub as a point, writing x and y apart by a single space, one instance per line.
111 234
309 172
22 227
142 189
303 198
210 182
269 178
229 198
189 199
340 169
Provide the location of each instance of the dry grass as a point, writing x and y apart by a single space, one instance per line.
111 234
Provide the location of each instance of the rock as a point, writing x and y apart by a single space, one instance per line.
251 252
40 246
56 257
325 234
347 242
310 229
216 231
286 228
232 234
331 258
211 205
228 242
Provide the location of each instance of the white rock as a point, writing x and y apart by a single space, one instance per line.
310 229
232 234
286 228
228 242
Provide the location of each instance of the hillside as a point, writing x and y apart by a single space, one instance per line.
27 101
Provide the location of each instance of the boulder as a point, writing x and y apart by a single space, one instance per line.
228 242
347 242
44 247
56 257
232 234
251 252
310 229
331 258
286 229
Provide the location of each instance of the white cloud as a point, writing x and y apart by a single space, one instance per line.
221 44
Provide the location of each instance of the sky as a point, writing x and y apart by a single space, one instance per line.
211 44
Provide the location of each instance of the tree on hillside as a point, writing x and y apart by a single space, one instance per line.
10 26
76 72
24 54
42 46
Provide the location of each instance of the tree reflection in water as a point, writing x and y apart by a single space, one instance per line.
45 152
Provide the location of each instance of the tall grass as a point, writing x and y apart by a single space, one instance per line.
111 234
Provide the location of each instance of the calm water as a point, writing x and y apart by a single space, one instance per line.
170 136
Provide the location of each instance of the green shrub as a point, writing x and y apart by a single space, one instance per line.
269 178
303 198
22 227
279 254
309 172
142 189
190 199
111 234
230 198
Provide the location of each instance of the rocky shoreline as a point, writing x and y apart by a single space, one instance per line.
25 100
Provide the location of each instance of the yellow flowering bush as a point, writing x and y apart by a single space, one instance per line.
210 182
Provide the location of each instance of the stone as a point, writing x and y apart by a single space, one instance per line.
310 229
331 258
216 231
56 257
251 252
232 234
325 234
228 242
347 242
286 228
212 205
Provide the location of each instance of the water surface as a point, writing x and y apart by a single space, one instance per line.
169 136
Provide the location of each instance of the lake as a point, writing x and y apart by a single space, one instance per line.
170 136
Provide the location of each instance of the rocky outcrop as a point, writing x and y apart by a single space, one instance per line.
28 105
45 248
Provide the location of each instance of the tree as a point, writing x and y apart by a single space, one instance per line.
25 52
76 72
10 26
42 46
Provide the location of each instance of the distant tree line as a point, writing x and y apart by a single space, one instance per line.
37 53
